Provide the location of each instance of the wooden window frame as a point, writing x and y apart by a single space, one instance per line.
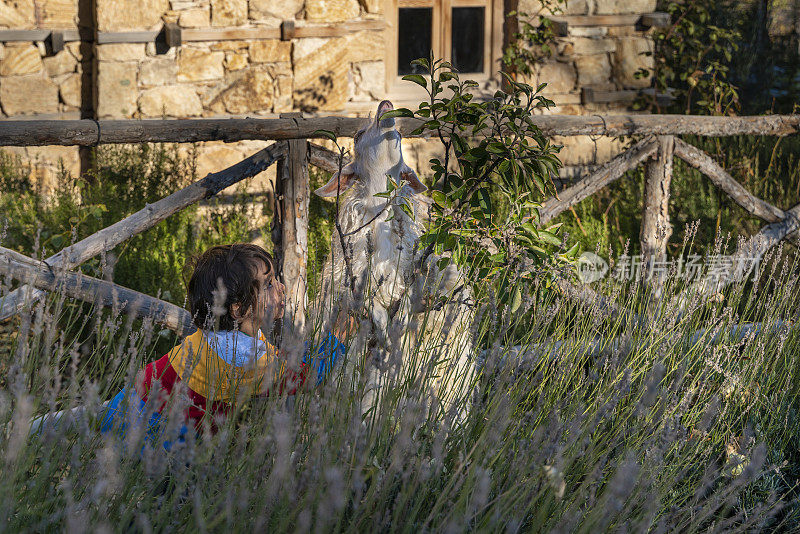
397 88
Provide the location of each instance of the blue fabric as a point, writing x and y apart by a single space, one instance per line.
325 357
115 419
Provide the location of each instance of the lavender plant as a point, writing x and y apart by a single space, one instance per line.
590 425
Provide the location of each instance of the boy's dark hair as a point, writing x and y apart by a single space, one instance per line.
232 267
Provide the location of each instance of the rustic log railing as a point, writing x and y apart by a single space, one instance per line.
293 153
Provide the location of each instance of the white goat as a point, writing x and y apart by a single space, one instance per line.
388 266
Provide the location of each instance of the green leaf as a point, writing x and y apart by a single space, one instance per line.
516 300
549 238
484 201
399 112
496 147
417 79
421 62
325 133
439 198
406 207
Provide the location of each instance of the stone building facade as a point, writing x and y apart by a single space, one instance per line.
261 58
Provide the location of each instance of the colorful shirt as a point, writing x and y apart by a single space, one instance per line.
219 367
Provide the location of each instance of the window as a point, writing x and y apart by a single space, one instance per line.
468 33
414 38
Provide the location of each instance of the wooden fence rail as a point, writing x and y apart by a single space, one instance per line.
87 132
294 153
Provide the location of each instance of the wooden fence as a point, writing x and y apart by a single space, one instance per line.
293 153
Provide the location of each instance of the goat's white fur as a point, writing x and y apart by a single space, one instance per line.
385 256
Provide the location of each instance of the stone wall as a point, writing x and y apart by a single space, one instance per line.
35 81
604 58
264 77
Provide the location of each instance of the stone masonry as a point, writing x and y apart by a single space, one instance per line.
263 77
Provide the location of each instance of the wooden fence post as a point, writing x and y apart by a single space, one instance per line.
290 234
656 228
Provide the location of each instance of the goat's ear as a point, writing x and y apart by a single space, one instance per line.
347 179
411 177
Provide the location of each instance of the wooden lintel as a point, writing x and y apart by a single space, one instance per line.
287 31
24 35
338 30
590 95
37 35
655 20
639 20
230 34
126 37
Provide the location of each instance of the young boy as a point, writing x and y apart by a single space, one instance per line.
234 297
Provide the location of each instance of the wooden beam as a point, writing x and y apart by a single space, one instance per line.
655 20
127 37
37 35
606 174
24 35
656 228
590 95
229 34
292 194
90 133
510 29
641 21
287 31
325 159
144 219
82 287
703 163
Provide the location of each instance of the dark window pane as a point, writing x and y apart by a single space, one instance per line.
468 39
415 25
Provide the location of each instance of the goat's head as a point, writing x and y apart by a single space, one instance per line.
377 152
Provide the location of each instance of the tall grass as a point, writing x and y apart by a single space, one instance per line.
595 423
643 421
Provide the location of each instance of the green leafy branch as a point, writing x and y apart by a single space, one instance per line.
497 167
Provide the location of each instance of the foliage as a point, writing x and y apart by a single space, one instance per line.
533 41
320 229
123 180
490 147
692 61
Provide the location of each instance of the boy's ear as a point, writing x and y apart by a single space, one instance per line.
343 181
408 174
236 312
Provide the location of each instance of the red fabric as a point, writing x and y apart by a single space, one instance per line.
163 371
